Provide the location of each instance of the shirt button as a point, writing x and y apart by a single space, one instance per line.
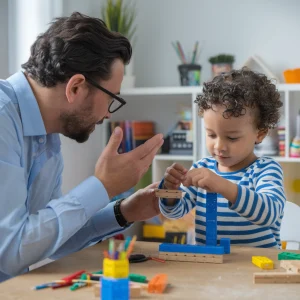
41 140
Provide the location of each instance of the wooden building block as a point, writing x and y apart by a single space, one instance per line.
276 277
290 265
263 262
174 194
158 284
190 257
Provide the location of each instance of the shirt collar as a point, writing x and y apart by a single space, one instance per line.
32 121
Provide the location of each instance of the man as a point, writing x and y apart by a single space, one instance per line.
69 85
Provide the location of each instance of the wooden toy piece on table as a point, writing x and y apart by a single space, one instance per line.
211 252
292 274
263 262
288 256
291 266
192 253
158 284
276 277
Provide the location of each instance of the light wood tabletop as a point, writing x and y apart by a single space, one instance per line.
231 280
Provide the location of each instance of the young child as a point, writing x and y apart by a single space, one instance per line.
238 109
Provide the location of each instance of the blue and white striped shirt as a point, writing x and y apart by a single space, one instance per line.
254 219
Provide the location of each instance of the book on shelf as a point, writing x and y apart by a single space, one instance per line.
135 133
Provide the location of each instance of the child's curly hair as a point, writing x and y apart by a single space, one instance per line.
241 89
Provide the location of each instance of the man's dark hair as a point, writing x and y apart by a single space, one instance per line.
75 45
241 89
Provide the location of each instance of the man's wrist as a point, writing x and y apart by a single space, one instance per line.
120 213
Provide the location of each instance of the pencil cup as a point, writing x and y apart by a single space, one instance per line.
116 268
189 74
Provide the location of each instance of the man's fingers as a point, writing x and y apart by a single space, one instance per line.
153 185
114 141
147 159
150 146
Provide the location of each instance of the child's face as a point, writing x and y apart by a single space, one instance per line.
231 141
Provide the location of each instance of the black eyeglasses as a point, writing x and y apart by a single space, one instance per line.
114 105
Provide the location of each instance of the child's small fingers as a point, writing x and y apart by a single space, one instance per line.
187 181
177 175
178 167
170 186
171 179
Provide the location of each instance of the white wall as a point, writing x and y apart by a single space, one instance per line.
268 28
80 159
4 39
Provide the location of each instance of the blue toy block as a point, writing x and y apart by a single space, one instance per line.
211 233
115 289
211 219
225 242
196 249
211 203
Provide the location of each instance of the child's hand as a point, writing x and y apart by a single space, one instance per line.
203 178
174 176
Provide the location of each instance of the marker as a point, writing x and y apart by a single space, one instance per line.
130 247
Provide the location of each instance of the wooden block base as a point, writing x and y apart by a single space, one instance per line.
276 277
199 258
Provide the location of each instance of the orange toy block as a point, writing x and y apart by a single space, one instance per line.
158 284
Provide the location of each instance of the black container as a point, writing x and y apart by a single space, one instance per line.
190 74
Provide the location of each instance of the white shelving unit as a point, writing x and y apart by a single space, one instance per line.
162 105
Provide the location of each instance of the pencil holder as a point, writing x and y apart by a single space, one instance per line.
189 74
116 268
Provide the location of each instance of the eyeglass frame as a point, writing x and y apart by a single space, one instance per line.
114 96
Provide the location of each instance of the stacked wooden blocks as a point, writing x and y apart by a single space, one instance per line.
211 252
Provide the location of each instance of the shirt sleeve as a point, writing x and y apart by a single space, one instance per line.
28 238
101 226
264 205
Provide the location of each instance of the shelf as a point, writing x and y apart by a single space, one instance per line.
286 159
293 87
174 157
189 90
176 90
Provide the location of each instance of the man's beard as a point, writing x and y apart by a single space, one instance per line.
78 126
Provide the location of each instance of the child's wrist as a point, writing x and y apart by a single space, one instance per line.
228 190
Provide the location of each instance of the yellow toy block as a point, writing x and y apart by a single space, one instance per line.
153 231
116 268
263 262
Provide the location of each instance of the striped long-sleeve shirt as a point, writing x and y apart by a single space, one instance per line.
254 219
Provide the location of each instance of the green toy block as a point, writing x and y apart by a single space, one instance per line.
288 256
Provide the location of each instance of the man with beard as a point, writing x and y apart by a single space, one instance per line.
69 85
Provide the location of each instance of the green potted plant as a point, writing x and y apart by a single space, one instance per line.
221 63
120 17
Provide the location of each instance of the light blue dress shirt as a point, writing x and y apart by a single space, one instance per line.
36 220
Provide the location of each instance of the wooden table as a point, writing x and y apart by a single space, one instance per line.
231 280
